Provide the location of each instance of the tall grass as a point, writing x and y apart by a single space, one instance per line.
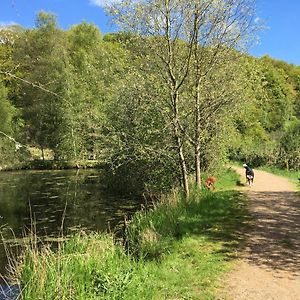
177 250
85 267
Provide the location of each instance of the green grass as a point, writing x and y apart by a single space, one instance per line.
227 179
180 249
85 267
292 174
190 271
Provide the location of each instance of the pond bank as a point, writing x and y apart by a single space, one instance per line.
52 202
179 249
53 165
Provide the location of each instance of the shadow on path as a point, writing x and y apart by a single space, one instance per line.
273 240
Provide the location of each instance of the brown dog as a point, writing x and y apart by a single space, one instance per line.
210 182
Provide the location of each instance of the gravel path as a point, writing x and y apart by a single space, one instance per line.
269 266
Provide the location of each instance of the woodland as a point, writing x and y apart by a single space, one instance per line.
156 103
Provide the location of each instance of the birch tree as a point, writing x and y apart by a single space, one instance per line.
190 39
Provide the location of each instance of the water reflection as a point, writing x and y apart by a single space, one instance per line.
74 199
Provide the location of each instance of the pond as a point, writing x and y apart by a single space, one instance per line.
52 202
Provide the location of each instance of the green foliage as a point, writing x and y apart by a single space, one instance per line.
7 111
189 66
66 84
40 56
290 145
46 21
89 75
137 134
88 97
267 133
9 149
84 37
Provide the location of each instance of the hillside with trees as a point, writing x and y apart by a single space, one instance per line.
155 104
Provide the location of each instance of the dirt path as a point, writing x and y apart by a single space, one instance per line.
269 267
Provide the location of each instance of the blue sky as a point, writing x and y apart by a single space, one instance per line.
282 17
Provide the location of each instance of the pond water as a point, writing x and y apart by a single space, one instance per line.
47 201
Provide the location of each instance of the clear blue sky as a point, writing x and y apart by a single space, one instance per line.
282 17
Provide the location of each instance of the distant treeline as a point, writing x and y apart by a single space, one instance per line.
80 95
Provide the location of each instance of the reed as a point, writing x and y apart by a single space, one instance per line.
180 248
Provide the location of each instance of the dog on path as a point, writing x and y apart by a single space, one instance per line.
210 182
249 175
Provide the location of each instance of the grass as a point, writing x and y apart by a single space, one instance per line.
86 267
180 249
292 174
228 179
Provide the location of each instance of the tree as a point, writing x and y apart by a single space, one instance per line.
11 122
189 38
137 137
265 123
82 92
290 145
8 144
7 111
41 58
220 28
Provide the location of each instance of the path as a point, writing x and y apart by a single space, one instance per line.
269 268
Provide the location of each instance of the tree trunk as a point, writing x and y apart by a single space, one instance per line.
197 136
179 141
184 173
197 166
43 154
74 147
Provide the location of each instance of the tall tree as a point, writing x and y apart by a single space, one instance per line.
221 28
187 37
8 144
41 56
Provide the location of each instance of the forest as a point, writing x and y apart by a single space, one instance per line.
154 111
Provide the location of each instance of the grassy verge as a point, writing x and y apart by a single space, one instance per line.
180 249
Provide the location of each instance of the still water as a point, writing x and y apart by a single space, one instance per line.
51 200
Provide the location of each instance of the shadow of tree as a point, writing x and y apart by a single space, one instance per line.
273 239
269 236
221 216
263 228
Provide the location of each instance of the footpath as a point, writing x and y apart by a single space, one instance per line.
269 264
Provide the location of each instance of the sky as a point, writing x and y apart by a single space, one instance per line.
280 39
